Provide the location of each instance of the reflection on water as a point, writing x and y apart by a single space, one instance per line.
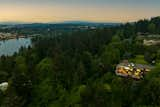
9 47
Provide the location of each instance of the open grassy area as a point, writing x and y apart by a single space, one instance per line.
139 59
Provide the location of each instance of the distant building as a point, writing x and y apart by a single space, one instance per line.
151 42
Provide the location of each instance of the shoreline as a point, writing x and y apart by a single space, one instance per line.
14 37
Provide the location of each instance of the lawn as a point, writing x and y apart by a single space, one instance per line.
139 59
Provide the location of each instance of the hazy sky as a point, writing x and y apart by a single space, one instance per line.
84 10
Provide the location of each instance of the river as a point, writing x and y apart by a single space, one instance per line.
9 47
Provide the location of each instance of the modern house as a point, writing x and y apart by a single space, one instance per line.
136 71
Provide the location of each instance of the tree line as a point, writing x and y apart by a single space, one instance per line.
77 69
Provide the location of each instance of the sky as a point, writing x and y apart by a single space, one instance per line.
77 10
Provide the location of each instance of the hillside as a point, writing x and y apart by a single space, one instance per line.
77 69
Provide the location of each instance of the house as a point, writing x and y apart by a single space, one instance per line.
151 42
136 71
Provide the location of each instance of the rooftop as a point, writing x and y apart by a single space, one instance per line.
136 71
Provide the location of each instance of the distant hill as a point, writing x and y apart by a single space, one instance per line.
90 23
66 23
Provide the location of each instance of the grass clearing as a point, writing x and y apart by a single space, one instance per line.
139 59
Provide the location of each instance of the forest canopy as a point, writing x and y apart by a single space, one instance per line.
78 69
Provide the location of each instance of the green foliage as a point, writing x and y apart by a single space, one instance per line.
44 84
152 28
138 59
158 55
110 57
76 69
42 94
45 69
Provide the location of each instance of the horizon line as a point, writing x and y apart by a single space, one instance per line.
69 21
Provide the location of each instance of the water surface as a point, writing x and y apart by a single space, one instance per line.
9 47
